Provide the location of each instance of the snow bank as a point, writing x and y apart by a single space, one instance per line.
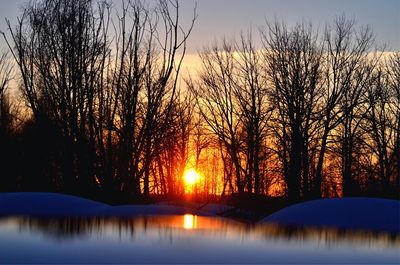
40 204
346 213
46 204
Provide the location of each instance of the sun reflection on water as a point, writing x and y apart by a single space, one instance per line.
189 221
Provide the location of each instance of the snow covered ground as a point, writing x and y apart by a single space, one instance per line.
347 213
41 204
46 204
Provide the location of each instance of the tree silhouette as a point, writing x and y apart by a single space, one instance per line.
294 66
101 110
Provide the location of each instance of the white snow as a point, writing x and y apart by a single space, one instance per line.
347 213
41 204
46 204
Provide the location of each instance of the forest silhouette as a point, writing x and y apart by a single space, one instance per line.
93 103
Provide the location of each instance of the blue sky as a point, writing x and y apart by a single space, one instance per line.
226 18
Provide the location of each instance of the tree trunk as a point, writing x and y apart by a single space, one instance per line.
317 184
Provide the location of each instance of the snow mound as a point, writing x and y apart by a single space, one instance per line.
40 204
46 204
343 213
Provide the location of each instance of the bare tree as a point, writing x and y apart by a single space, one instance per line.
231 95
59 52
5 108
251 93
8 159
380 124
173 152
345 76
393 69
293 59
146 79
218 105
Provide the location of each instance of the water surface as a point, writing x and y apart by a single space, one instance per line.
186 239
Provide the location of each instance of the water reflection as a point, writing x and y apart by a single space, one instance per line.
189 221
329 237
167 227
185 239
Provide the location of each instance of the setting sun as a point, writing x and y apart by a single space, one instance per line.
191 176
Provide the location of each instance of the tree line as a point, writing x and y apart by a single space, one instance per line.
102 109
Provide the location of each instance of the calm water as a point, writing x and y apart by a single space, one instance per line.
185 239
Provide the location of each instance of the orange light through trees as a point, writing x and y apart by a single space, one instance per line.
191 177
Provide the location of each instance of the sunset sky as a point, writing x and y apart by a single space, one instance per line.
226 18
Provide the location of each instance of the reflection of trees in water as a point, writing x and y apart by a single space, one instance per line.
70 228
161 227
172 227
328 236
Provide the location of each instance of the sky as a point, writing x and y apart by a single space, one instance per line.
227 18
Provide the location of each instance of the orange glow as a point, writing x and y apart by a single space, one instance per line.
189 221
191 177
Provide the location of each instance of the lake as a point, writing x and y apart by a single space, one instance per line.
186 239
